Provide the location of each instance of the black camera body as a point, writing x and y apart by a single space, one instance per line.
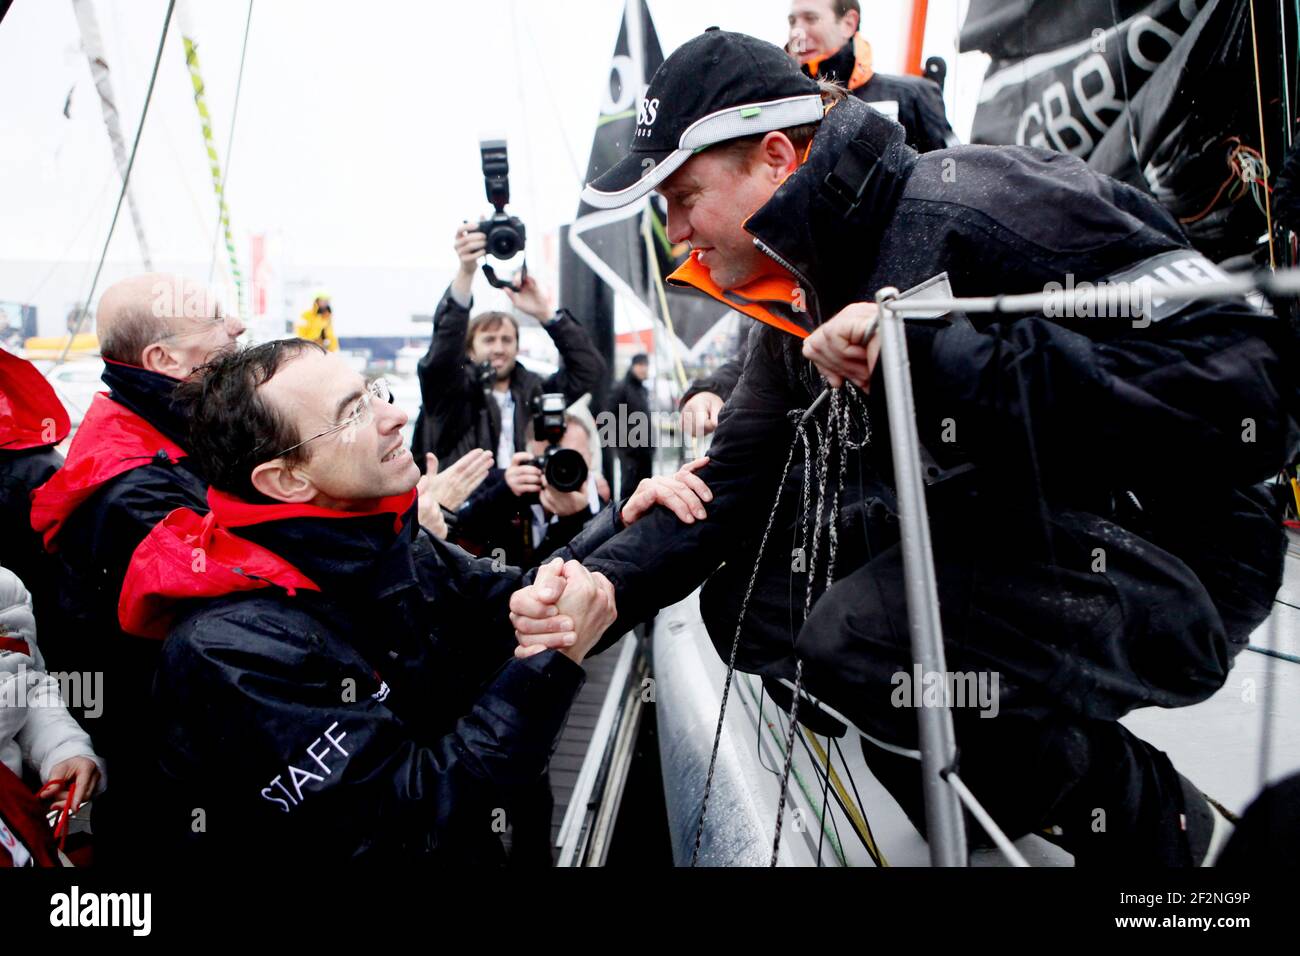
565 469
505 233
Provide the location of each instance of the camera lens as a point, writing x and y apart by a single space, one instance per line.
504 242
566 470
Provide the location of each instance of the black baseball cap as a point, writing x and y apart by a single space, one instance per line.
715 87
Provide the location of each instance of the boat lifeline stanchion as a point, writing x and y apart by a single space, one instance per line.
945 828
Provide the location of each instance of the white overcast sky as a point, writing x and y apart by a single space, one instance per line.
356 138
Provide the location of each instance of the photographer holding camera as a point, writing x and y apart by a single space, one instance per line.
474 392
543 499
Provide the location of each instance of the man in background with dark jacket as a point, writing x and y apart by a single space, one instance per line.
337 684
127 467
473 391
1068 567
824 38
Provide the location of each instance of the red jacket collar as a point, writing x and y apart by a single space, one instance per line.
111 440
232 512
31 415
188 556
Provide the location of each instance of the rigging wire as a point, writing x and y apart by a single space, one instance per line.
826 789
852 807
230 146
578 176
652 264
1286 81
856 817
816 752
877 855
121 196
786 736
758 737
1128 101
94 211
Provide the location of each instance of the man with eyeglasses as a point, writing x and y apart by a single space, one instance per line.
127 467
335 683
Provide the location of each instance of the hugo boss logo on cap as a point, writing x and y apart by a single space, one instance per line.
646 115
715 87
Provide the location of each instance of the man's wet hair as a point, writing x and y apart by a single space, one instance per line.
233 429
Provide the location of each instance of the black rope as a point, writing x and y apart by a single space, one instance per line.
818 471
731 660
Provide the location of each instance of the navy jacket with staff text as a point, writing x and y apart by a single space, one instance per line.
340 686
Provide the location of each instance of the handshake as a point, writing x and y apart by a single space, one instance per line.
567 608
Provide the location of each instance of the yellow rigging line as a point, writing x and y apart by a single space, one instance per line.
855 815
653 265
1263 147
209 142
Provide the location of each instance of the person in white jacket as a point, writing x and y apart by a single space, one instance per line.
35 726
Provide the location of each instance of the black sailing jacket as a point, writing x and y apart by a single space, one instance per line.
381 717
1189 413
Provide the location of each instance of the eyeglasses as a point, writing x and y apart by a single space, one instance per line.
360 415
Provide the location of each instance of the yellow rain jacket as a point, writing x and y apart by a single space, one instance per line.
318 328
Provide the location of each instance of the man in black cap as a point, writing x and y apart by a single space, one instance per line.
630 402
1069 575
824 38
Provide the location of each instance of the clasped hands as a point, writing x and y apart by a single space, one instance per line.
567 607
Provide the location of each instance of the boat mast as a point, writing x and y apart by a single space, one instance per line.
92 42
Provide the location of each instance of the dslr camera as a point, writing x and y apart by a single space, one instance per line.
564 468
505 234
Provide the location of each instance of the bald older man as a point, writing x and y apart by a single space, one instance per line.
127 468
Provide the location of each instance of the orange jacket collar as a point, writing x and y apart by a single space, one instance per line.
862 69
748 298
